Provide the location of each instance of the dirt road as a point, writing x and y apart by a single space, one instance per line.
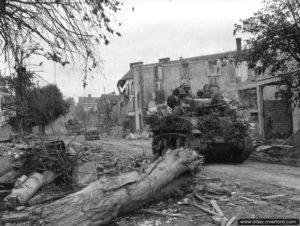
257 172
260 175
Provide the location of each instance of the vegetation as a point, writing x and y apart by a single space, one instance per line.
41 107
275 32
63 28
58 30
47 105
274 43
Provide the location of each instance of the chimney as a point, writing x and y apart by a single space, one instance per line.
135 63
164 60
238 46
89 95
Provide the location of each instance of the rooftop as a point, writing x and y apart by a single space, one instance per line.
88 100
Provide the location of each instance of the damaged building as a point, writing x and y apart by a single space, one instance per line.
147 86
109 110
259 101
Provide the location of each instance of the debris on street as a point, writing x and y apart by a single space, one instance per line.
277 152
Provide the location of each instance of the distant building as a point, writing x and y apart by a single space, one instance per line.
109 109
88 103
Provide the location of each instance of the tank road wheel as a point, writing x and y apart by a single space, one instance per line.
242 150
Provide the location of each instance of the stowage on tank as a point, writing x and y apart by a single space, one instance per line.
204 123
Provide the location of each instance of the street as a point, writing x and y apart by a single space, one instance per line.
253 178
150 113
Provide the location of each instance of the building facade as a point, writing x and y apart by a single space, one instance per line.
109 110
88 103
127 99
149 85
260 101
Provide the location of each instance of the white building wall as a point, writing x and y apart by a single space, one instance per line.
241 70
137 102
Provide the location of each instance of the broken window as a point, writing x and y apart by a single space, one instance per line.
185 70
132 88
158 85
138 99
158 78
158 73
214 67
213 81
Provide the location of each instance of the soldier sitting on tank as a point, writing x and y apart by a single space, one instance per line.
204 93
220 105
174 103
173 100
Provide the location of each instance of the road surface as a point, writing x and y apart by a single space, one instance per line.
257 178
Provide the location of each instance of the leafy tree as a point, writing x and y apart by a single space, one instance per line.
19 84
71 103
41 107
46 105
274 43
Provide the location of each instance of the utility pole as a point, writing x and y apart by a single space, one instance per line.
84 123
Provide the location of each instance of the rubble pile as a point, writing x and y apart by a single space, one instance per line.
51 156
212 200
11 149
115 131
49 171
284 152
281 154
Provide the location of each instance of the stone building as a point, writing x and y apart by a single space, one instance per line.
127 98
109 110
259 101
148 85
88 103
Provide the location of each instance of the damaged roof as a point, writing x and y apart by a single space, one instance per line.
128 75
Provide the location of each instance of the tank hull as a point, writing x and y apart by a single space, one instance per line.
214 149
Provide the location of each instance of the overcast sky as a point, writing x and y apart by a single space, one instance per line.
158 29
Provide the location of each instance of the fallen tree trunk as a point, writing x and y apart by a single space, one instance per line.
107 198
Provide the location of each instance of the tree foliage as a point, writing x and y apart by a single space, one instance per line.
40 106
274 43
46 105
62 29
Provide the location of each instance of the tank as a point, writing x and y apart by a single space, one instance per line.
73 127
207 125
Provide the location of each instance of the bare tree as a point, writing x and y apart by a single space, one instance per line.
65 28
